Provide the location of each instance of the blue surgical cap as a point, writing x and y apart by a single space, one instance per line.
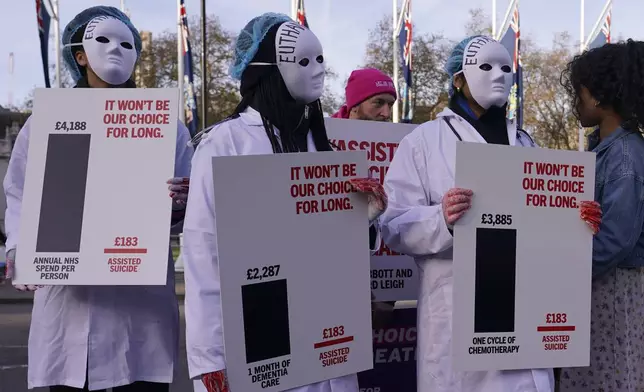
83 19
249 39
455 61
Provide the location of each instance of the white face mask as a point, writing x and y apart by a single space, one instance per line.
300 62
487 67
109 46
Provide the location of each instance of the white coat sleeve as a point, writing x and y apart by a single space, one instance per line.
204 335
182 162
14 182
413 224
374 245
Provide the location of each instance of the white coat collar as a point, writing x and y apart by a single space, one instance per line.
473 133
251 117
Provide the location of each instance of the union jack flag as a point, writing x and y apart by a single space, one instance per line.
190 100
301 14
405 42
602 35
511 40
44 20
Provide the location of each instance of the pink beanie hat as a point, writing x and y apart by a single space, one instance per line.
362 85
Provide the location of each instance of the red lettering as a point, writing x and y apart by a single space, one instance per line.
114 118
306 207
146 133
333 188
533 184
336 204
556 346
536 200
565 186
149 118
552 169
135 104
163 105
563 201
376 151
379 173
322 171
577 171
385 251
124 268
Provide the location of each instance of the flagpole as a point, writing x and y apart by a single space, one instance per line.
582 40
493 18
396 117
294 9
204 75
54 4
180 63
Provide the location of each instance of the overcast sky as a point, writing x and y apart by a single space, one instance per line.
341 25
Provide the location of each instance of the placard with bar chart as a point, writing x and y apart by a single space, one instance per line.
95 205
522 259
293 253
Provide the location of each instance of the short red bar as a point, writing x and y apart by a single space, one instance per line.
556 328
333 342
125 250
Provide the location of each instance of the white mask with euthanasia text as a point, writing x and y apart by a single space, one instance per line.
300 62
487 67
109 46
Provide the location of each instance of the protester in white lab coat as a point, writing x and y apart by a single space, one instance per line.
88 337
281 68
424 205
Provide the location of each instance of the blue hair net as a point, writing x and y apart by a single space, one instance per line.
81 20
249 39
455 61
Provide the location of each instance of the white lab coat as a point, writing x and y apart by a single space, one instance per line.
120 334
244 135
421 172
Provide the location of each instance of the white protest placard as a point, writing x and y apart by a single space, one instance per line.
394 277
95 206
293 253
522 259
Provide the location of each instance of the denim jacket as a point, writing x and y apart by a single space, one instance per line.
619 189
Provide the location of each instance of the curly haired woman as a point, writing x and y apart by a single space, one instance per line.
606 86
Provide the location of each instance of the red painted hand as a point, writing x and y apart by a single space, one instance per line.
591 213
215 381
455 203
376 196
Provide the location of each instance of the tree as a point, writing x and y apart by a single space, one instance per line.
330 101
222 91
547 110
223 95
429 55
478 23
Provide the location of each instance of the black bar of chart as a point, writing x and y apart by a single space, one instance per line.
495 280
63 193
266 320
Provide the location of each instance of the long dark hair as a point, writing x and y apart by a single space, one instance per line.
270 97
614 76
